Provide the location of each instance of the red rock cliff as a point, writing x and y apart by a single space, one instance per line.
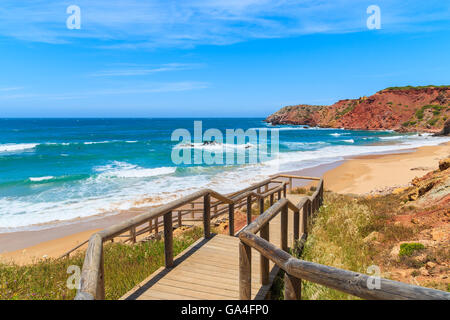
399 108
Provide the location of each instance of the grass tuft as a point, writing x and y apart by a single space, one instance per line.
407 249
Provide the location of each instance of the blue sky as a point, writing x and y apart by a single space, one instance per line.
218 58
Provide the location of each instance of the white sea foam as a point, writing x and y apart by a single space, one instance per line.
349 141
38 179
96 142
126 170
112 190
409 136
294 145
339 134
141 173
13 147
213 147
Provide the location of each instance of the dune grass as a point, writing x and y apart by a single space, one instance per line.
338 233
336 239
125 266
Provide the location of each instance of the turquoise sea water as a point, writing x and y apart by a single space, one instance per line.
61 169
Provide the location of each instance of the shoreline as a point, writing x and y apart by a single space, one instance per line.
357 175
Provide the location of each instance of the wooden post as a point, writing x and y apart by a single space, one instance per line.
292 287
150 226
309 210
192 213
207 215
290 185
266 188
168 239
179 219
264 262
304 219
313 206
156 225
245 271
261 205
284 233
296 224
271 199
321 194
231 218
279 194
249 209
284 191
133 234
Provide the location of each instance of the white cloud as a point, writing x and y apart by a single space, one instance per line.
10 89
156 23
141 70
147 88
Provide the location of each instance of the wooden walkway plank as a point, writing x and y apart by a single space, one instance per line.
209 269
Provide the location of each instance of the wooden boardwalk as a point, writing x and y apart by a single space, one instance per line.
209 269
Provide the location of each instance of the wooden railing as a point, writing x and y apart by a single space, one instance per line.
297 270
92 277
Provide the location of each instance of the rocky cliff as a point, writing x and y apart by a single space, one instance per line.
402 109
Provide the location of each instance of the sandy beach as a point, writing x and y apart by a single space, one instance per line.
366 174
358 175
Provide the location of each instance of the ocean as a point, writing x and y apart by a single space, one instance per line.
57 170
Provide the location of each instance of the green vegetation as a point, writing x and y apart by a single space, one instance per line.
336 239
303 190
436 110
350 107
407 249
338 233
277 288
299 190
125 266
409 123
390 103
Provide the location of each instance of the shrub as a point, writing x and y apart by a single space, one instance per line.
299 190
407 249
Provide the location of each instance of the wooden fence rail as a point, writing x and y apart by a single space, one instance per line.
297 270
92 277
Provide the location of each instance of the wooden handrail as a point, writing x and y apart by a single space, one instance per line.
343 280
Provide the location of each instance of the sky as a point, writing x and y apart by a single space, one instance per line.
217 58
